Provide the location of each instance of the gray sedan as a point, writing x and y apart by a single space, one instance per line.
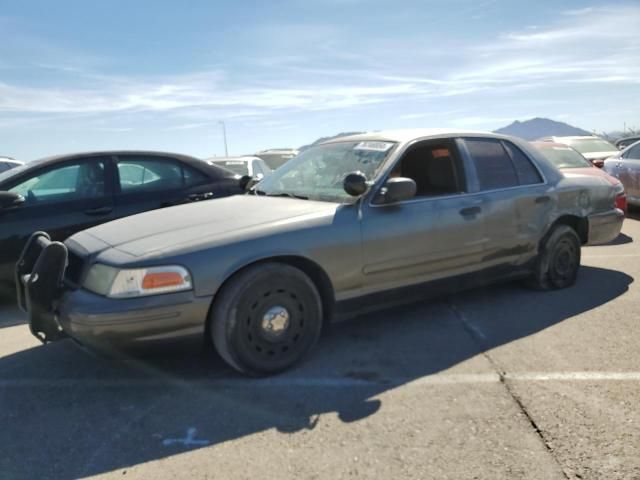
348 225
625 166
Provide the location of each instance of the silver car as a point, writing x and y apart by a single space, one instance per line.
625 166
592 147
352 224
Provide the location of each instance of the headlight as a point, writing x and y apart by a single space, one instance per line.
116 283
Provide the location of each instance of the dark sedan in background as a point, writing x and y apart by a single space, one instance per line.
66 194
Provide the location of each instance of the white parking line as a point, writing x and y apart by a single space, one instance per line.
322 382
612 255
588 376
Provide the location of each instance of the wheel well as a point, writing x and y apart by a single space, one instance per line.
579 224
317 275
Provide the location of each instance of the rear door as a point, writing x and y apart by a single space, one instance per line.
513 197
150 182
61 200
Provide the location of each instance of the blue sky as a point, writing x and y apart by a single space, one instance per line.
161 75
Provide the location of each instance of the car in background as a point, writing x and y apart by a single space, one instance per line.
254 167
348 225
623 143
593 148
570 161
625 166
276 157
68 193
7 163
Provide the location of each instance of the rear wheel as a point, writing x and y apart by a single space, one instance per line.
266 318
559 260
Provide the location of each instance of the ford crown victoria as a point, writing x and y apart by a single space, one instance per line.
348 225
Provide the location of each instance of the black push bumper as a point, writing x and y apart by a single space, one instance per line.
39 282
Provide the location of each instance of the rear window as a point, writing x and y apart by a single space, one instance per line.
565 157
234 166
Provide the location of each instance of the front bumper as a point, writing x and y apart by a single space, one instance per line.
605 227
57 310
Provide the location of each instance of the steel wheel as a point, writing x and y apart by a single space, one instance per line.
559 260
266 319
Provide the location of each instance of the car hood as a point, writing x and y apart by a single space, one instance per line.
197 223
593 172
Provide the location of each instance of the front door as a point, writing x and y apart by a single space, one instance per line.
438 233
60 200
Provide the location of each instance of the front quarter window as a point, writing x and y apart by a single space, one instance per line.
318 173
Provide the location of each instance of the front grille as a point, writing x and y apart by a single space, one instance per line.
73 273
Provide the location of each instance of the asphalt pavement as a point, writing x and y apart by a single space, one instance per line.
501 382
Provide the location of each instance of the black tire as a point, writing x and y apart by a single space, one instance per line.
266 319
558 263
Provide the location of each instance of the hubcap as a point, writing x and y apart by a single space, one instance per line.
275 322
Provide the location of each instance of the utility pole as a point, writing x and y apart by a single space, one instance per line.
224 134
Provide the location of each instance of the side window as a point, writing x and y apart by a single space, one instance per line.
434 167
633 153
71 181
193 177
493 165
525 170
143 174
256 167
4 166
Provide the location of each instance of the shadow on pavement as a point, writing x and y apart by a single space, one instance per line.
66 413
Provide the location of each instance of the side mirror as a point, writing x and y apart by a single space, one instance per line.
10 199
396 190
355 184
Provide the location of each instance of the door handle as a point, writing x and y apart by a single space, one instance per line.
194 197
98 211
470 211
543 199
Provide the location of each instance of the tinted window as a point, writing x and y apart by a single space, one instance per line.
145 174
494 167
193 177
70 181
525 170
4 166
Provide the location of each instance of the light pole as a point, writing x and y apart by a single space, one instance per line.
224 134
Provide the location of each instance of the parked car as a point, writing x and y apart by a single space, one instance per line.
593 148
254 167
623 143
625 166
276 157
7 163
68 193
570 162
347 225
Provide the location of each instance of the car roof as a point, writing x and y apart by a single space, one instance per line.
409 134
10 160
543 144
244 158
574 137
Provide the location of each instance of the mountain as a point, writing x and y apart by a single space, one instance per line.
324 139
540 127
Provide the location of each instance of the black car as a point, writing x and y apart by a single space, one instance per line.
65 194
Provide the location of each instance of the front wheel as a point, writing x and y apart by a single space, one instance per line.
559 260
266 318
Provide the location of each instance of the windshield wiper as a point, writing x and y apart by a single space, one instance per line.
286 194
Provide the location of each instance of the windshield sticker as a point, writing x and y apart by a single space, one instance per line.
374 146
